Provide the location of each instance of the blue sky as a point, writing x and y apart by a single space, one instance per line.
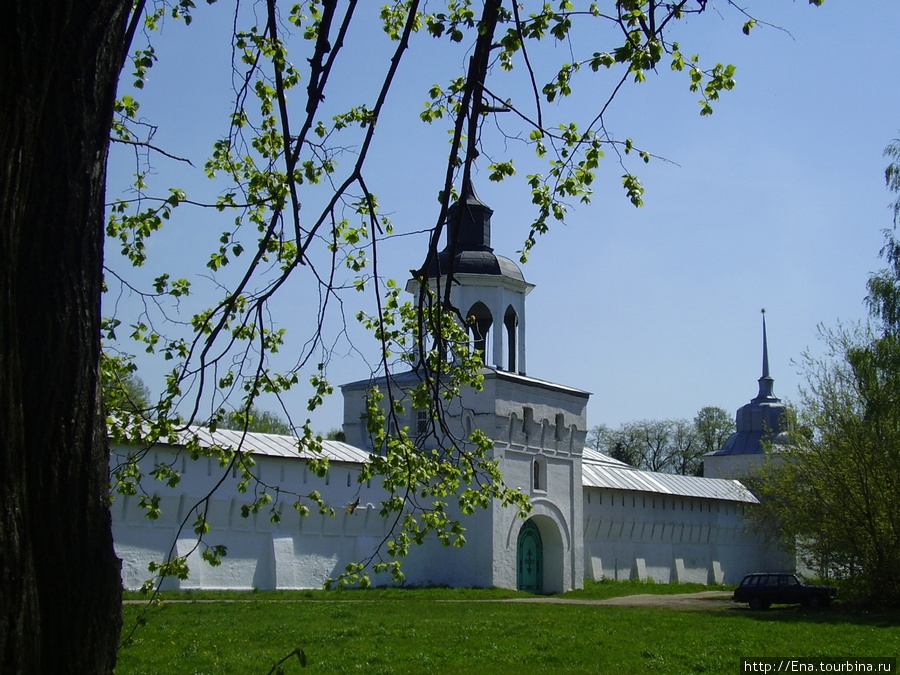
777 201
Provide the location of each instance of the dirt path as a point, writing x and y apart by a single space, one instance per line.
706 600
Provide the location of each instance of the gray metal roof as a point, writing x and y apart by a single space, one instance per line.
607 473
412 378
598 457
598 470
272 445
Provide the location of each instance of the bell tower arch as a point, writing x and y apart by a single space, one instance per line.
488 289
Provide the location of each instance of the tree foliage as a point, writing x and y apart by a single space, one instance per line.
256 420
892 176
834 489
122 387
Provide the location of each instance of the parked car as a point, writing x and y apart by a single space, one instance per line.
763 590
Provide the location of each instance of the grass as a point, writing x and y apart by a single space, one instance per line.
418 630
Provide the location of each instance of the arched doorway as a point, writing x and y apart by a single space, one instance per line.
530 559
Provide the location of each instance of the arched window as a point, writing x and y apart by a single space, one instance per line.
513 428
511 322
539 479
480 324
421 421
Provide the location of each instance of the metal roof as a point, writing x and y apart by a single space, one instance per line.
273 445
598 470
598 457
607 473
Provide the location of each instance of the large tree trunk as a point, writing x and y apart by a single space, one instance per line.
60 589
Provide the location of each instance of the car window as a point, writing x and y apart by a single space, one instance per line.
791 580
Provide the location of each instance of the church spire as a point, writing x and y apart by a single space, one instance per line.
766 383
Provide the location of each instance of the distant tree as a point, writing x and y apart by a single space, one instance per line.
254 419
654 438
672 446
597 438
620 444
686 451
713 426
625 445
336 435
122 387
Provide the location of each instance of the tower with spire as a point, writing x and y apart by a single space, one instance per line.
758 422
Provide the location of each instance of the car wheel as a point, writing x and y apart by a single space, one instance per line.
758 603
813 603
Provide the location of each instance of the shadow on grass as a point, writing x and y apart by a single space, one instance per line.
832 616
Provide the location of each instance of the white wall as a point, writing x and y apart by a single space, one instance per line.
637 535
298 552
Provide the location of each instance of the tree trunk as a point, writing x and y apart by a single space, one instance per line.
60 588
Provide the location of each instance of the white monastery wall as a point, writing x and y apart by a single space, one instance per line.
664 538
295 553
587 531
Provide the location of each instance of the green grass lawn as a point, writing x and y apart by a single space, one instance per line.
454 631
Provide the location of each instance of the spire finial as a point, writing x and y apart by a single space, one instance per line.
766 382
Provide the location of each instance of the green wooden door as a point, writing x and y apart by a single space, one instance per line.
530 559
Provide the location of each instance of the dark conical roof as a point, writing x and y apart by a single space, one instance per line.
468 249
